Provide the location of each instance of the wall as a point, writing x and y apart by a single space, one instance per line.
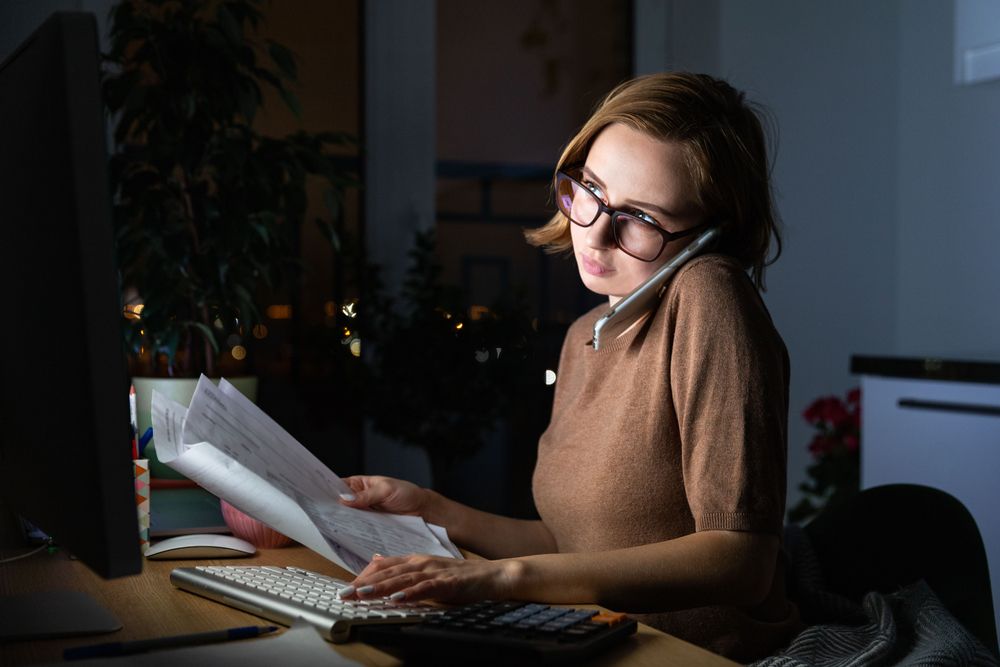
949 200
885 177
827 74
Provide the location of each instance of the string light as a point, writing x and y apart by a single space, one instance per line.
279 311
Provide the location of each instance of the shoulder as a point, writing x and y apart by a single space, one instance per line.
710 273
714 283
713 294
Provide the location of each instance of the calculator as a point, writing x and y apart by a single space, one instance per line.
492 632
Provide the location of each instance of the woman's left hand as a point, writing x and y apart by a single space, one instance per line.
421 577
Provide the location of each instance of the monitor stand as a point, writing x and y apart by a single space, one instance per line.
53 614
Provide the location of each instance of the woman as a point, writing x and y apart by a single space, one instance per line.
660 481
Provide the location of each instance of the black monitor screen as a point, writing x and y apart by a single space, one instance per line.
65 455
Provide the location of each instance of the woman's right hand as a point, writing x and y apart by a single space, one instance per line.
385 494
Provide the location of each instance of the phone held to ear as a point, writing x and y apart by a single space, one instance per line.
624 314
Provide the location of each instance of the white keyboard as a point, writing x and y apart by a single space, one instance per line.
289 593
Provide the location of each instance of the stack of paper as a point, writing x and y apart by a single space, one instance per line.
229 446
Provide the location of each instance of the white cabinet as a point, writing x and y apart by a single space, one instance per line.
940 433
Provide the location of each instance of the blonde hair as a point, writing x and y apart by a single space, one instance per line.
722 137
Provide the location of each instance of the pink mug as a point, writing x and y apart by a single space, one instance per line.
250 529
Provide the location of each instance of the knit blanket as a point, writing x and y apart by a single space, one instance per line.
908 627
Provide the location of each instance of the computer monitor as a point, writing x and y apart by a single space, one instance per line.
65 442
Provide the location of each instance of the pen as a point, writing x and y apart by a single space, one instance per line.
144 440
126 648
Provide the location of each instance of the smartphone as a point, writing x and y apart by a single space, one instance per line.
630 308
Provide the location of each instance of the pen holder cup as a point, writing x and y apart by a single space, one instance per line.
250 529
140 469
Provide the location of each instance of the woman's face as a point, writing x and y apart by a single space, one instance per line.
643 176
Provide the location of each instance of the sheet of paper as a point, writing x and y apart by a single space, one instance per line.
229 446
298 646
229 479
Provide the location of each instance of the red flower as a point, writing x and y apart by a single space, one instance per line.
828 411
822 445
854 397
835 413
838 423
816 411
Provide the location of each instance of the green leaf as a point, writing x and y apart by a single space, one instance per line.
284 60
231 28
206 333
291 101
329 232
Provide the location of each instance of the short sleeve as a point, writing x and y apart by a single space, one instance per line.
729 382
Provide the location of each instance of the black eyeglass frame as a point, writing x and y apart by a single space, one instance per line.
615 214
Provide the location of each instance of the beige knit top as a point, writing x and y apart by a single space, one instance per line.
677 426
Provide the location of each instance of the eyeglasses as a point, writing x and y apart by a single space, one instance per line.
636 237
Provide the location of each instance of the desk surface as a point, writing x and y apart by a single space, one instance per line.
149 606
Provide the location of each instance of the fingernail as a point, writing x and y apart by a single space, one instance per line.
345 591
349 497
376 556
398 595
365 590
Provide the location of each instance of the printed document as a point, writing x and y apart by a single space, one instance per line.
229 446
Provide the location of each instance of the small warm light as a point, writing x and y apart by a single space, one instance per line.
356 347
478 312
459 326
239 352
133 311
550 377
347 332
259 331
279 311
218 323
350 309
330 308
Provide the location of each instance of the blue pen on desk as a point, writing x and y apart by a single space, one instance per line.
141 645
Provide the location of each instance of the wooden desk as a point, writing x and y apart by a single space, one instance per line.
149 606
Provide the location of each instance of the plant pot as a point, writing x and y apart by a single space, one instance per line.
180 390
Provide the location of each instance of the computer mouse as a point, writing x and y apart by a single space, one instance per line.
200 546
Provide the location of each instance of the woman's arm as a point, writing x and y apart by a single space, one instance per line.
705 568
488 535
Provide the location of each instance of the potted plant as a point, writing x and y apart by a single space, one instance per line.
207 210
835 474
443 376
